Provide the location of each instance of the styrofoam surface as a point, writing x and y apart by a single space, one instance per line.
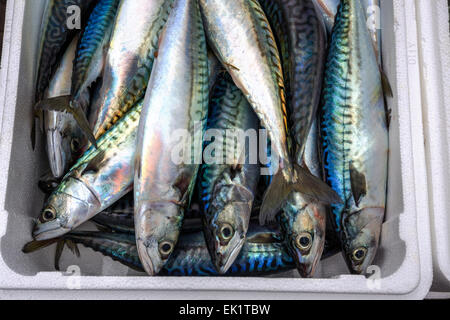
404 256
434 44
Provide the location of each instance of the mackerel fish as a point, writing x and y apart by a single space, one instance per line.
228 187
177 96
354 134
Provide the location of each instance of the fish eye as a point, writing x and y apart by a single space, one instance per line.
304 241
226 232
359 254
48 215
75 145
165 248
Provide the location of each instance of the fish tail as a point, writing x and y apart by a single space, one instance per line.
294 179
66 104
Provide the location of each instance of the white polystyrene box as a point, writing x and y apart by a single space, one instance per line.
434 46
404 257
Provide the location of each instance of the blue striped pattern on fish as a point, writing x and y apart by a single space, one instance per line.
299 31
228 185
355 135
191 258
93 43
55 36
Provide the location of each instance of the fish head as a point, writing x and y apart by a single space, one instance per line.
157 227
61 214
361 235
64 141
304 224
227 223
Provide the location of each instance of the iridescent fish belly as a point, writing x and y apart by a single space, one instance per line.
228 181
99 178
168 150
129 62
354 136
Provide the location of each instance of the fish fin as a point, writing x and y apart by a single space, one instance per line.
232 67
58 253
309 185
274 198
358 184
306 184
240 194
386 85
38 245
64 104
73 248
95 163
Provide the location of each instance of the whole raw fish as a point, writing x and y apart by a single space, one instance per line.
354 136
129 61
176 101
304 222
228 187
56 35
62 132
241 37
98 179
301 36
65 139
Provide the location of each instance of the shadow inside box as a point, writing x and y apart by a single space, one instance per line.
2 24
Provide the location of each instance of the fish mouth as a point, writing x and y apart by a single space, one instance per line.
306 270
145 253
49 230
305 262
55 153
225 261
